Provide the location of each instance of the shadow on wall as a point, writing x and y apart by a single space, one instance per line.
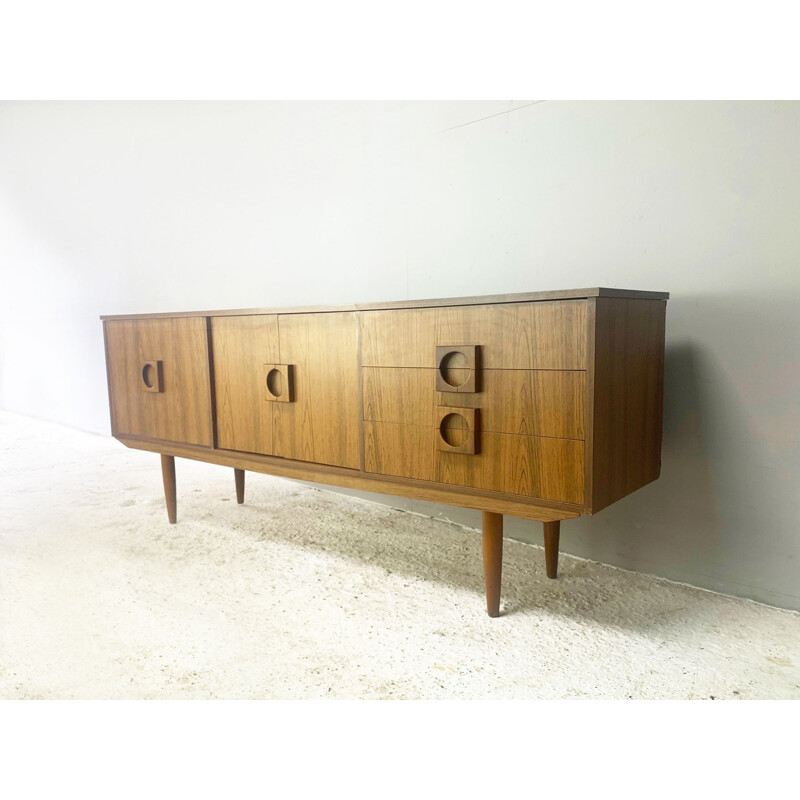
678 513
723 515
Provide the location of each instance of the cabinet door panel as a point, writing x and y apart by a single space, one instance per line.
544 335
158 377
321 424
242 346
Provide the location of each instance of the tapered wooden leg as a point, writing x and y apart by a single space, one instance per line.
238 475
492 560
168 473
551 533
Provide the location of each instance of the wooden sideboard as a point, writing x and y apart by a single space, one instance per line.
544 405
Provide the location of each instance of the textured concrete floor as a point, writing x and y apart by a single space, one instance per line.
302 593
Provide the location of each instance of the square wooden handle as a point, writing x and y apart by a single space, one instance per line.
279 382
457 429
458 368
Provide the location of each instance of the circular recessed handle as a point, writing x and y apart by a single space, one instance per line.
279 382
454 429
149 376
454 369
152 376
457 368
457 429
275 382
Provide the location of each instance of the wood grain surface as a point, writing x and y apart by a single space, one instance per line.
321 424
531 466
181 412
242 346
546 335
528 402
627 397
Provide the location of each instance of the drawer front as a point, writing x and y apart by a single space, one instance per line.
544 335
532 466
158 379
528 402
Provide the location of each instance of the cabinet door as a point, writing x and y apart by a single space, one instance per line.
314 417
242 347
320 424
158 379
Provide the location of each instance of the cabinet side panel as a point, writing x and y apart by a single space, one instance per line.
242 347
628 396
111 414
121 351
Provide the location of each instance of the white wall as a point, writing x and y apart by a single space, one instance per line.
115 207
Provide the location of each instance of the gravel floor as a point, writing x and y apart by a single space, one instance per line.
304 593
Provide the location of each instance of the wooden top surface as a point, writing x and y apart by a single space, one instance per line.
521 297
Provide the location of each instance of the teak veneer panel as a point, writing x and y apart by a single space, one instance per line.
322 424
532 466
242 346
527 402
546 335
535 466
628 397
407 451
396 394
181 411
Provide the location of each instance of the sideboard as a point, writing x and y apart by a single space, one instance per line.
543 405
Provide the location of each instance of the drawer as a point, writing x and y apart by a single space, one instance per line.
158 379
543 335
528 402
532 466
